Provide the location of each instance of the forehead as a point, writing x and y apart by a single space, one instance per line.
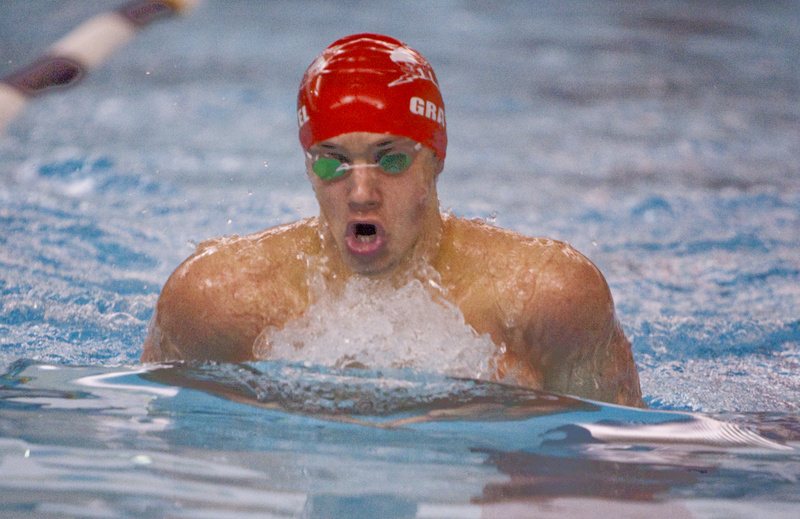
357 142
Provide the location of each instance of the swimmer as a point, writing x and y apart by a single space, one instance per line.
373 129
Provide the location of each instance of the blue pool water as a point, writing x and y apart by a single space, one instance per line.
660 139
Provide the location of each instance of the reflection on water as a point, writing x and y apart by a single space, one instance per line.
381 392
243 437
541 476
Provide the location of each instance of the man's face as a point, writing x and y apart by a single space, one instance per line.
376 217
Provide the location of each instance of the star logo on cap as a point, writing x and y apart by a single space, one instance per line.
412 65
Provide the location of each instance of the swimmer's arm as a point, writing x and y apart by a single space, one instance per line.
196 319
187 337
156 347
577 340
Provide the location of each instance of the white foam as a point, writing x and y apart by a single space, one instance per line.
374 325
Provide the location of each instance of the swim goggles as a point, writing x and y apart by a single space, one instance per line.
393 158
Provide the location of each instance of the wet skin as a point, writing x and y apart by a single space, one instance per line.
376 219
548 307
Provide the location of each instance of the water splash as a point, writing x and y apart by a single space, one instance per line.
371 324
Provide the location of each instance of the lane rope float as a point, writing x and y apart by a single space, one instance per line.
83 49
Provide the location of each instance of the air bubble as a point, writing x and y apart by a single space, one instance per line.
375 325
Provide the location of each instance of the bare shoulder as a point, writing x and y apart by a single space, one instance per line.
219 299
554 308
235 260
524 257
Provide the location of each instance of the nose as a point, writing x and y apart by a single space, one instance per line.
364 193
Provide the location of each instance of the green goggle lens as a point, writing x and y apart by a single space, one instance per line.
395 162
327 168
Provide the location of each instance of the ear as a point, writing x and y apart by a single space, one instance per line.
438 165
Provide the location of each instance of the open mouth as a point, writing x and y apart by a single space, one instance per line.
364 239
365 231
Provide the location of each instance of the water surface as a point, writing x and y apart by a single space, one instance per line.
660 139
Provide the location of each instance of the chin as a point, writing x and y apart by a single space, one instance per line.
369 270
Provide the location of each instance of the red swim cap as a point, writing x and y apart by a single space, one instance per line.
371 83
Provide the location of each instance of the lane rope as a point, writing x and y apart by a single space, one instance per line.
83 49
